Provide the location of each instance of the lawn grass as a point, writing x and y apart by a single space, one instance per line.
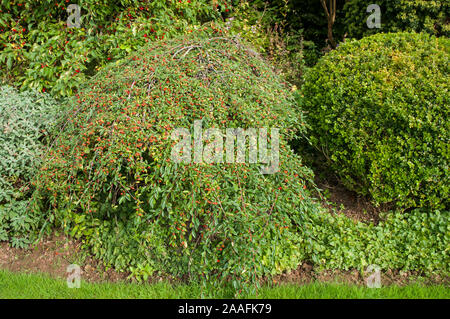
24 286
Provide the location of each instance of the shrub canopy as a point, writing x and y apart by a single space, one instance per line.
378 109
110 178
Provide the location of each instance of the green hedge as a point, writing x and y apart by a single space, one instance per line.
378 110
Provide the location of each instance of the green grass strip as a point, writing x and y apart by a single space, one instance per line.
23 286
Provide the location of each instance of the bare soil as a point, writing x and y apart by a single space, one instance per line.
343 201
52 256
307 274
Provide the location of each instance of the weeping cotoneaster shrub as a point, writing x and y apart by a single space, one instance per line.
110 178
25 120
378 109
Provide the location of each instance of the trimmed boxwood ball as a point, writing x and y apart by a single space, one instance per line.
378 108
110 178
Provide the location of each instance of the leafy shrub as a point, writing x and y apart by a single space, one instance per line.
417 241
110 178
399 15
25 120
264 26
40 52
377 109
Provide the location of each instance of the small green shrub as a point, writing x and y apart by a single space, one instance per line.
26 118
110 179
378 110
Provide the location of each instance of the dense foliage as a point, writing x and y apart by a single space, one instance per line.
110 178
399 15
138 70
378 110
265 26
417 241
308 18
26 118
39 51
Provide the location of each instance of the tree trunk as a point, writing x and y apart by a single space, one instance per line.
331 17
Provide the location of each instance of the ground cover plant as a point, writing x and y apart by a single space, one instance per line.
416 241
